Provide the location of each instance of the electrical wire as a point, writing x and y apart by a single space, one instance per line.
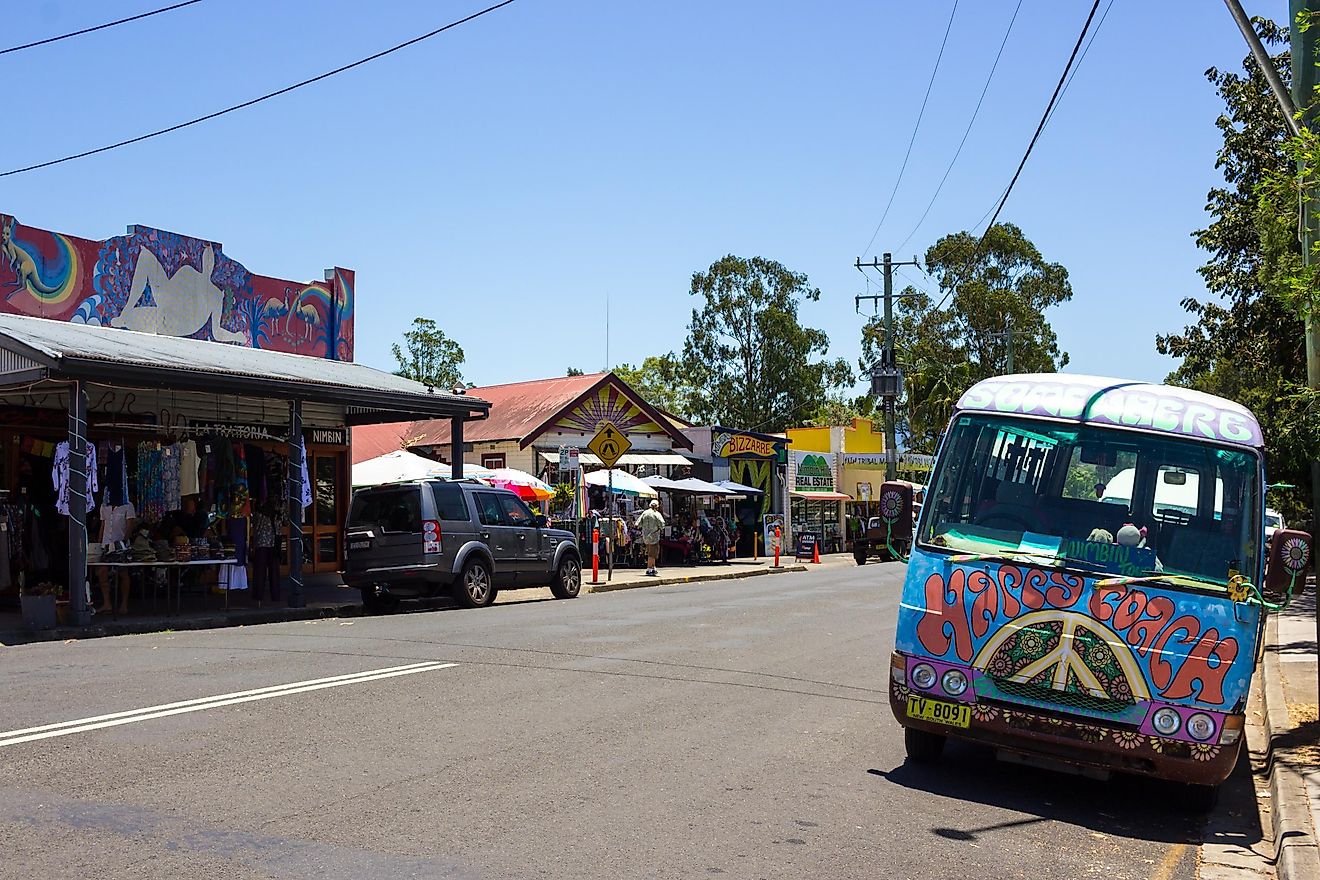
265 97
1044 117
99 27
968 130
915 128
1081 58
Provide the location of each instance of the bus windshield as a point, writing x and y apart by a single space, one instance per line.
1095 498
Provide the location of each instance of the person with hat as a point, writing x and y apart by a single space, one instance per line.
652 523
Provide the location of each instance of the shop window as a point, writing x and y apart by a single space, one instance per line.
492 460
327 548
326 483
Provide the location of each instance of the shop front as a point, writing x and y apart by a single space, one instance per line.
749 459
817 505
197 448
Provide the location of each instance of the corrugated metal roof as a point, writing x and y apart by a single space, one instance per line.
68 349
515 409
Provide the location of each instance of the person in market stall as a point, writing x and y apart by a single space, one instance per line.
719 539
652 523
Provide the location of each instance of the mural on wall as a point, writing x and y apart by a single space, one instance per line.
1105 638
609 404
756 473
162 282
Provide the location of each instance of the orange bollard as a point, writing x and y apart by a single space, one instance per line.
777 542
815 553
595 555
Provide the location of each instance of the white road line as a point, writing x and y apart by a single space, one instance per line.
115 719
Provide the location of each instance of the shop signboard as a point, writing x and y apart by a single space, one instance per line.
806 545
813 472
871 461
768 524
327 436
728 444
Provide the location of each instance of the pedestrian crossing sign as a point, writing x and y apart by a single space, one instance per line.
609 444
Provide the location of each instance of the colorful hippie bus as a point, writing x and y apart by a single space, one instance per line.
1082 587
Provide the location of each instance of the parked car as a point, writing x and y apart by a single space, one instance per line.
1273 522
423 537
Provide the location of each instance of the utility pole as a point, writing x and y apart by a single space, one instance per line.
1303 44
887 379
1007 335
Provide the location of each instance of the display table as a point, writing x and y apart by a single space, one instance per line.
176 580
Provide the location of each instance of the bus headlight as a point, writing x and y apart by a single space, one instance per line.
923 676
1201 727
1166 721
954 682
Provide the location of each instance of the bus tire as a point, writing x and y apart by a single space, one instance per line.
922 746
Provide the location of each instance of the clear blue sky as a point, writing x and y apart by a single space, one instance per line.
507 176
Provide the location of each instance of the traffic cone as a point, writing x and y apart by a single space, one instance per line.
815 553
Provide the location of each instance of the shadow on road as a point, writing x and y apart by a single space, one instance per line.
1125 806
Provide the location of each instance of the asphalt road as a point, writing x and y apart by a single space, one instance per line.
737 729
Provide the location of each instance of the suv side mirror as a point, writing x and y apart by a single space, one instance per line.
896 509
1290 553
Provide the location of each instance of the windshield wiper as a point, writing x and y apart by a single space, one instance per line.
1009 556
1155 576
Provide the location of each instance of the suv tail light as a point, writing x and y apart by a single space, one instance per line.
430 536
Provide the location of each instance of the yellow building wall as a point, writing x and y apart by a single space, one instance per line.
810 439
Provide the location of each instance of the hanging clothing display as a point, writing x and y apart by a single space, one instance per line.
116 475
189 467
59 475
170 476
150 482
306 481
240 496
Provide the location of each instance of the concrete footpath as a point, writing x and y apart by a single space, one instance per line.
1293 761
328 597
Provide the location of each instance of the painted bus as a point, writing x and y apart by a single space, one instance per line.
1086 586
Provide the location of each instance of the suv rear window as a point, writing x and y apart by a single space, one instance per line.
394 510
449 503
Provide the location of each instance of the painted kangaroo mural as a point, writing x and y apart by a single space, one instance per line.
161 282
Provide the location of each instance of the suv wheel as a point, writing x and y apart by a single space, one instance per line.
475 587
568 578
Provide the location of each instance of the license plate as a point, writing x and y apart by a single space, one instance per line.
360 545
938 711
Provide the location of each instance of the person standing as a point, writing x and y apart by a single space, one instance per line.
652 523
265 559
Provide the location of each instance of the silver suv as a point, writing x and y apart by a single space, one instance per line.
420 538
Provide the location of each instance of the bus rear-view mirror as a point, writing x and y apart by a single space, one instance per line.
1290 555
1175 478
896 509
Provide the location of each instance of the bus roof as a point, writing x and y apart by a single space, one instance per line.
1095 400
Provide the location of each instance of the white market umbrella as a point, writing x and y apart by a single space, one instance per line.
624 483
395 467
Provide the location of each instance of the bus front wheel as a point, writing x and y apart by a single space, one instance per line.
922 747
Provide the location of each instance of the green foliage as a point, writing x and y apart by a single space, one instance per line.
943 351
660 382
748 362
574 371
428 356
838 409
563 497
1247 339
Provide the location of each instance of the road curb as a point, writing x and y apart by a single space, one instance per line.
690 579
1294 835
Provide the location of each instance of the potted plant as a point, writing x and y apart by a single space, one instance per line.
38 605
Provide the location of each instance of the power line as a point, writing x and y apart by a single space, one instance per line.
99 27
968 131
1044 117
265 97
915 129
1082 58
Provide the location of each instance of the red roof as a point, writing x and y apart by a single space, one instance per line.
515 409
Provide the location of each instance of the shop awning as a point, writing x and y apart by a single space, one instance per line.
822 496
36 349
740 488
629 458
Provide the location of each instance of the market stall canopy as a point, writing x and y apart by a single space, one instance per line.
394 467
624 483
402 465
701 487
739 487
526 486
664 484
35 349
821 496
